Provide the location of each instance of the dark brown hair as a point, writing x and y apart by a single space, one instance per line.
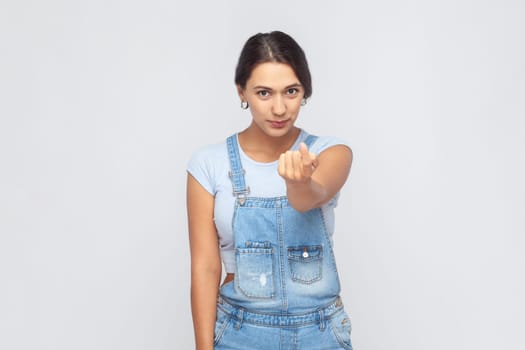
274 46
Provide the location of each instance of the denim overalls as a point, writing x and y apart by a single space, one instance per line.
285 294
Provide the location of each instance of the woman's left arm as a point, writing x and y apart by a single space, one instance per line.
312 180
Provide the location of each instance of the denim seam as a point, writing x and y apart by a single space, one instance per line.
338 336
256 251
222 328
278 213
246 318
293 263
325 232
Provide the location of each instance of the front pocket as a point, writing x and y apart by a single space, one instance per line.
221 323
341 326
305 263
254 275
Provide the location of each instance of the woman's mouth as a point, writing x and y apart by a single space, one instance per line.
278 124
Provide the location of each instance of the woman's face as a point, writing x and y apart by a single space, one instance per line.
274 94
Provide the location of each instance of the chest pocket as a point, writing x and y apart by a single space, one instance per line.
305 263
254 275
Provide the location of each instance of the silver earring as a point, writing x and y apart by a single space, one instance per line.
303 102
244 104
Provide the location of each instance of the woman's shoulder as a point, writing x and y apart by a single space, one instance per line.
321 143
210 152
209 158
207 163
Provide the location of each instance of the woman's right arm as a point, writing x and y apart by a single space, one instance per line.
205 263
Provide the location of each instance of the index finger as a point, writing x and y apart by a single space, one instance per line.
305 155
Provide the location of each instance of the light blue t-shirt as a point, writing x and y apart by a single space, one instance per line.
210 166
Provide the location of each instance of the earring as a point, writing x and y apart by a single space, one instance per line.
244 104
303 102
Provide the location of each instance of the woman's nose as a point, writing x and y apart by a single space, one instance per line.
278 107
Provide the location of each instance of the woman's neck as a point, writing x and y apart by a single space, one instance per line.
264 148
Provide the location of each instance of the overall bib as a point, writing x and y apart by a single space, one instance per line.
285 294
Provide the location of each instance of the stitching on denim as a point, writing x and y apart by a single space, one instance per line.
269 292
222 328
337 334
295 263
331 250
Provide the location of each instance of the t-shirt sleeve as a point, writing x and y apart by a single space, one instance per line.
324 142
200 166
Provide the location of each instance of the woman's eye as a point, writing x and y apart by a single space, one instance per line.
292 91
263 93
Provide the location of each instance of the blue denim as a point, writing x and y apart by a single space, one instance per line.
328 327
285 294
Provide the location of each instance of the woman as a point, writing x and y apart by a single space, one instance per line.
262 202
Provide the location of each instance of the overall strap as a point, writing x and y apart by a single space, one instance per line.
310 139
236 173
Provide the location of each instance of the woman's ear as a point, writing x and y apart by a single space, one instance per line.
240 91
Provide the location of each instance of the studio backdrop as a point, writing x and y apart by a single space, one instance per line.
102 104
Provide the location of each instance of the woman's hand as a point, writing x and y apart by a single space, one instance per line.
313 180
297 166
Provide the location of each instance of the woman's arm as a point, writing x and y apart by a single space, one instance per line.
312 181
205 263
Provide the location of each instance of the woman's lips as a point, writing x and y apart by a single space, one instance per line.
278 123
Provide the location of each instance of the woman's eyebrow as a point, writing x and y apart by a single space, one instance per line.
269 88
262 87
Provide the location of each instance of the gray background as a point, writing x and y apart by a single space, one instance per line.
103 102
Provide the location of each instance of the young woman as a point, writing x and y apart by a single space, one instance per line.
262 203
